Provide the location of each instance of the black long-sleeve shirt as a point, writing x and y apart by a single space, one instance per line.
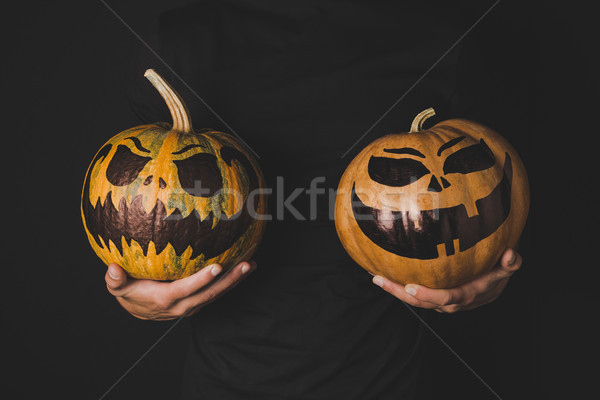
301 82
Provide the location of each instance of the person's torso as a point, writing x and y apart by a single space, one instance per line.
305 86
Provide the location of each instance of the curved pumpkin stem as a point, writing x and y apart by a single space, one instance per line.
417 123
179 112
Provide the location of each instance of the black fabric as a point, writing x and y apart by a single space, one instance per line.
300 82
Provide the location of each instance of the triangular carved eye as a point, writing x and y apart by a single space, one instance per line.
125 166
477 157
396 172
199 175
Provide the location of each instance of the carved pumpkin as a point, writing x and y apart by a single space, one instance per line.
435 207
164 201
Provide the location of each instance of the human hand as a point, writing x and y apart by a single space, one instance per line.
155 300
473 294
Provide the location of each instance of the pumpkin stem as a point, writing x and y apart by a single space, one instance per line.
417 123
179 112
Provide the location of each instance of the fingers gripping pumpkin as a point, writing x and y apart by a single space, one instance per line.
164 201
434 207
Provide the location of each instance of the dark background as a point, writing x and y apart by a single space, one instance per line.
63 91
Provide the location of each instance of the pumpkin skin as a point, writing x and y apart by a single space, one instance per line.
434 207
165 201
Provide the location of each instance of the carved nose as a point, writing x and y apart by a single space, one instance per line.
161 182
434 185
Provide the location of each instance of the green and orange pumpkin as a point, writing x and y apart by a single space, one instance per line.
435 207
165 201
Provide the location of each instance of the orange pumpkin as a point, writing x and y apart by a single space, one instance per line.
164 201
435 207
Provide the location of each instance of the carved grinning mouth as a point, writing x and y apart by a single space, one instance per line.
395 231
133 223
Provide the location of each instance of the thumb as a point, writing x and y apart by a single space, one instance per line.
510 262
116 278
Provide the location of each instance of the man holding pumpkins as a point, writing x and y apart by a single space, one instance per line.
300 82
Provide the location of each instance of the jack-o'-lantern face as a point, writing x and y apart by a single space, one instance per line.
439 212
428 206
163 202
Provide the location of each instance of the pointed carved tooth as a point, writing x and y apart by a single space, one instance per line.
216 220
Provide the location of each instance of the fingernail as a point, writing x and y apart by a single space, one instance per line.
215 270
245 268
378 280
411 289
113 272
